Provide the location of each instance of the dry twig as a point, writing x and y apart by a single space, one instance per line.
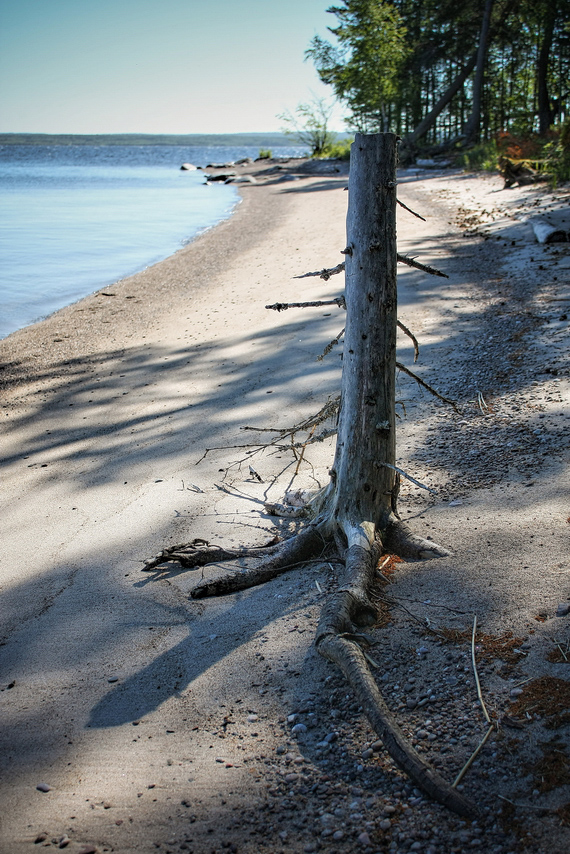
413 337
330 346
425 385
283 306
325 273
425 268
407 476
475 673
406 208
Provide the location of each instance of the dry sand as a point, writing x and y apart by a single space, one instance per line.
162 724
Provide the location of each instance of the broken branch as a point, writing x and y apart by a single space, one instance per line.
283 306
425 385
413 337
425 268
407 476
330 346
406 208
325 273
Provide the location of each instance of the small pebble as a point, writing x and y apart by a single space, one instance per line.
385 824
364 839
252 718
299 728
43 787
41 837
516 692
563 609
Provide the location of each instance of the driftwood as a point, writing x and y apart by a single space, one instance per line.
545 232
355 514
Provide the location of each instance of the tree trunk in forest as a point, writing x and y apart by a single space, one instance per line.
473 126
545 111
434 113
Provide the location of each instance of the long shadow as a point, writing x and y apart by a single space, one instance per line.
161 431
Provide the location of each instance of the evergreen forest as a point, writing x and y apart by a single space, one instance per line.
442 73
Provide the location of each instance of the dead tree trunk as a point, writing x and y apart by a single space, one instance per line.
356 512
361 485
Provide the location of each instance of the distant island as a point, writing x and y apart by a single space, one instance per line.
263 140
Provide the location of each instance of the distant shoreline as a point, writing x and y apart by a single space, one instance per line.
200 139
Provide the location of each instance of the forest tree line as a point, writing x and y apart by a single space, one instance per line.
441 71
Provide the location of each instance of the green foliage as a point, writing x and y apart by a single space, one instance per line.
308 125
392 61
483 157
557 154
264 154
364 68
339 150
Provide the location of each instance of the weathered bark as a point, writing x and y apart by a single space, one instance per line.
367 419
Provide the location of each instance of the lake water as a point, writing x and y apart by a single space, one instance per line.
75 218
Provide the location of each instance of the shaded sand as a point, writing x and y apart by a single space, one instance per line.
161 724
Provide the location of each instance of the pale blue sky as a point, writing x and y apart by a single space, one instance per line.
156 66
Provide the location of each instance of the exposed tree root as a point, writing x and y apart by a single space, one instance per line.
293 552
201 553
348 611
401 540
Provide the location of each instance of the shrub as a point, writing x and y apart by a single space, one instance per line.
339 150
264 154
557 155
483 157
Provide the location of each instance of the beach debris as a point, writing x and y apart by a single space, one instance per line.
241 179
223 176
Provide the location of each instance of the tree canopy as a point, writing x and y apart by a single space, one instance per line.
441 70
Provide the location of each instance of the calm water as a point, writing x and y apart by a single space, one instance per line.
75 218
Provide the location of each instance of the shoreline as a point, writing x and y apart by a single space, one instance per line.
173 285
160 722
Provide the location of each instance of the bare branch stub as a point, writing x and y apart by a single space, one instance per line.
413 337
425 268
325 274
406 208
427 386
330 346
283 306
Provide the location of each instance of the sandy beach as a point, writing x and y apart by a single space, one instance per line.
151 722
